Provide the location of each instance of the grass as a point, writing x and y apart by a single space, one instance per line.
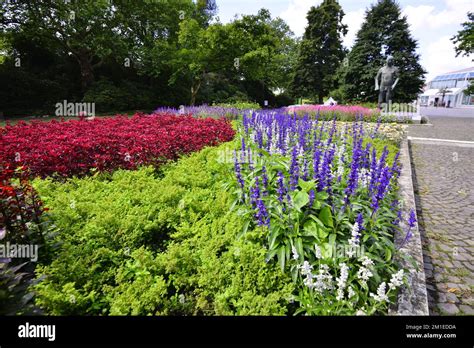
461 272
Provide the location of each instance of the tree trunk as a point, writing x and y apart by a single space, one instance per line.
194 90
320 99
87 70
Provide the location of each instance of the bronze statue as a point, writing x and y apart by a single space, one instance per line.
388 82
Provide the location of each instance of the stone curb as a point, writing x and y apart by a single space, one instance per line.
412 299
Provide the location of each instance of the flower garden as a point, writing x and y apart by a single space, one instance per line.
264 212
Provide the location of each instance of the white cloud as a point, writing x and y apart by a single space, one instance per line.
439 57
295 17
354 20
425 17
432 26
295 14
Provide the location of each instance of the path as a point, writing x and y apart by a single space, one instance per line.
444 193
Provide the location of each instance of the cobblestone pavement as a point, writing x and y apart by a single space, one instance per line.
454 128
444 194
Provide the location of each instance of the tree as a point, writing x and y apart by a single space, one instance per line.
321 51
251 51
198 54
384 33
87 30
264 47
464 39
92 31
464 44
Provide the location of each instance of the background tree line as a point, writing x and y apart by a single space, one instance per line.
126 55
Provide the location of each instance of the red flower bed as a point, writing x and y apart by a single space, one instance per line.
67 148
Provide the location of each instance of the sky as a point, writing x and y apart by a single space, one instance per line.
432 24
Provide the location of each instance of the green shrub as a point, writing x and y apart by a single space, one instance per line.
135 243
128 95
241 105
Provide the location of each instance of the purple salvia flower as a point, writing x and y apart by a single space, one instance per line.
262 214
238 172
255 193
360 222
381 189
411 223
399 218
312 196
305 169
412 219
396 167
294 169
281 187
354 173
265 180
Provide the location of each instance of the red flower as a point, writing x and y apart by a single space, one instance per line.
70 148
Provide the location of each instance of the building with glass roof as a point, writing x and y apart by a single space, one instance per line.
447 90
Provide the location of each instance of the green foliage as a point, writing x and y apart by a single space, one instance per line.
14 282
144 243
303 233
464 39
384 28
127 96
321 51
470 89
241 105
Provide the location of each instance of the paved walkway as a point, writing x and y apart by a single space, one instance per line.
444 193
447 112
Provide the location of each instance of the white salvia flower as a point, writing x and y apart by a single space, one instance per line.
364 272
273 148
396 280
306 268
366 261
296 256
317 251
354 240
350 293
381 295
308 281
340 170
323 279
341 281
364 178
301 152
340 294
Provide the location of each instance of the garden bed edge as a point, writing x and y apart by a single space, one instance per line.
412 299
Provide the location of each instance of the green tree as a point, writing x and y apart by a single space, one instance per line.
263 49
464 44
88 30
464 39
384 32
199 54
321 51
92 31
254 50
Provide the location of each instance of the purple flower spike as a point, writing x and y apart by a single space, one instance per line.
294 169
412 219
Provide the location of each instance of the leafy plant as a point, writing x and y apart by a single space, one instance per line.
327 198
134 243
78 147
